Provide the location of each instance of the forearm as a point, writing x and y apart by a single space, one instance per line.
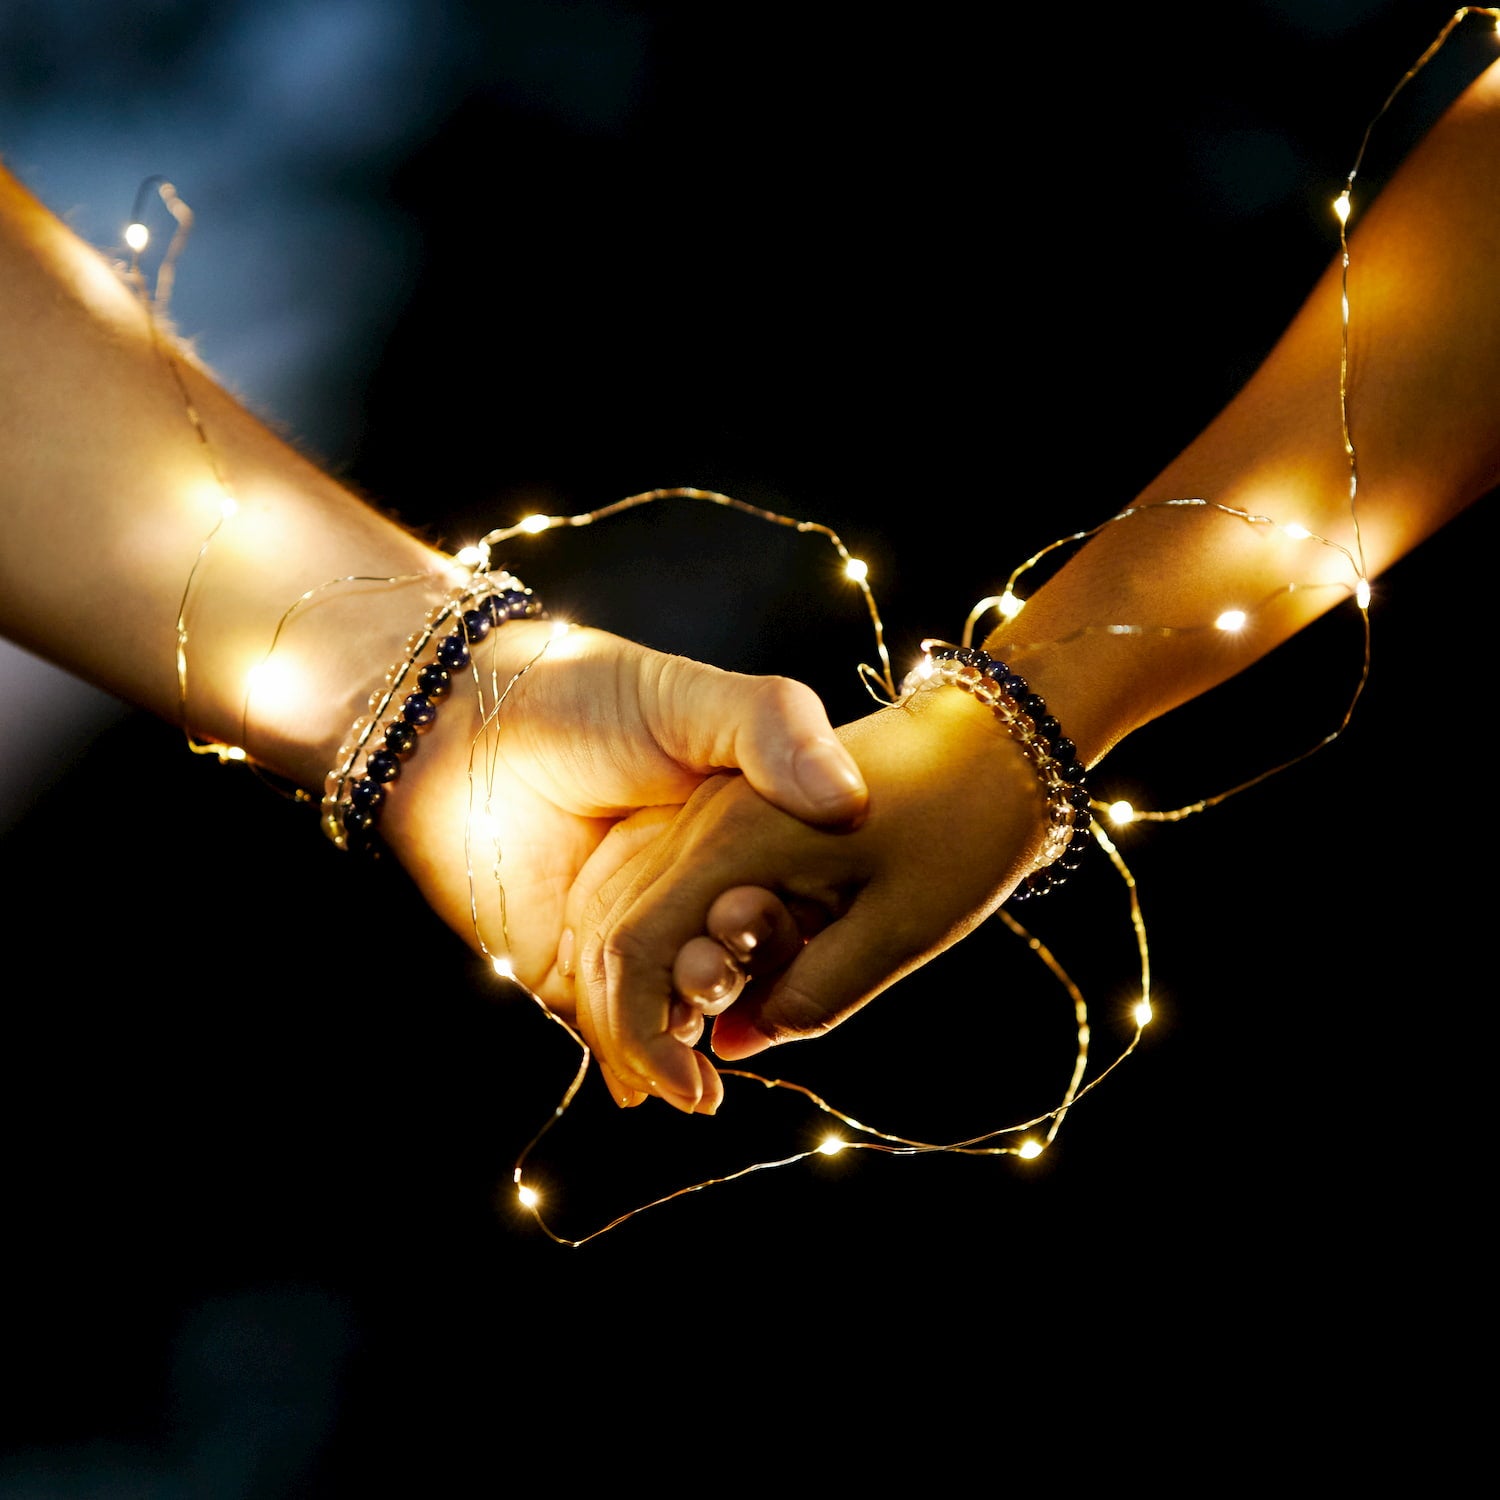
1424 418
111 489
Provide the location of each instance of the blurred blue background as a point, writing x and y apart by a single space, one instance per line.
954 282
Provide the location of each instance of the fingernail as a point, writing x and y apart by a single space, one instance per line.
565 953
827 775
688 1104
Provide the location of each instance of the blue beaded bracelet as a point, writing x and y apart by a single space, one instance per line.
1053 756
378 744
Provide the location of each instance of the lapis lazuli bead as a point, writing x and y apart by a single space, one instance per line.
366 795
401 738
476 624
419 710
453 652
359 820
1065 749
383 766
435 680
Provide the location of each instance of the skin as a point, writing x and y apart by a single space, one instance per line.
781 933
120 448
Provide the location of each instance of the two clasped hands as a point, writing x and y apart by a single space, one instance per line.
713 863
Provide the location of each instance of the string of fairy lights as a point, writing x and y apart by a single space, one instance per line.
1027 1138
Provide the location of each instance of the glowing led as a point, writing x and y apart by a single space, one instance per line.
856 570
1296 532
925 668
137 236
832 1146
1121 813
274 684
1362 593
1029 1149
228 506
1142 1012
469 557
232 752
503 967
1009 605
559 629
528 1196
1231 619
534 524
1341 206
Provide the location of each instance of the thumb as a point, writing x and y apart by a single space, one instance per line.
773 729
837 972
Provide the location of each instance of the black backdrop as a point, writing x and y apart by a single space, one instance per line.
954 290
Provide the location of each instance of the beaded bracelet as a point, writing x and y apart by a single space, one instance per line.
1053 756
354 791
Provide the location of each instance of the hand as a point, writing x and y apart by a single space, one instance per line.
594 747
954 822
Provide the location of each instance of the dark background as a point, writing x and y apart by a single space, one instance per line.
953 287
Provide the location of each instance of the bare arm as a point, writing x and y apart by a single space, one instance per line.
946 842
120 451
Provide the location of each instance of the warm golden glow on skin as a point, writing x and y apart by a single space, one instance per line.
277 682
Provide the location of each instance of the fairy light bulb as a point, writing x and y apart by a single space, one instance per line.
1297 532
137 236
1029 1150
533 524
1231 619
855 570
276 686
1121 813
1009 606
1142 1013
832 1146
529 1196
470 557
1362 593
1341 206
503 967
